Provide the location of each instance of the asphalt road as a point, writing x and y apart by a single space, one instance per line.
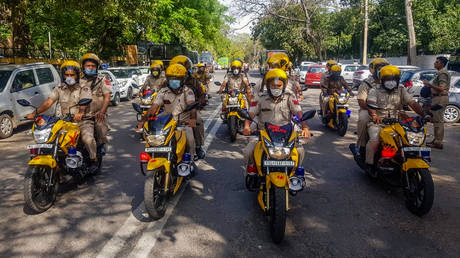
341 214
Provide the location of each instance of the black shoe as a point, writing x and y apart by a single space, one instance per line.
102 148
93 167
200 152
371 171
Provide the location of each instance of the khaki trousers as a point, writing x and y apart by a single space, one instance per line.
373 143
190 140
87 137
363 120
198 131
438 118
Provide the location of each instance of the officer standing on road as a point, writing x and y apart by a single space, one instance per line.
440 92
175 98
385 101
276 107
192 83
363 91
100 89
154 80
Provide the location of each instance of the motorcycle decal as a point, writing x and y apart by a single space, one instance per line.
277 129
73 139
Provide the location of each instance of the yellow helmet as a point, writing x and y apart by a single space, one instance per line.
389 72
70 65
278 60
158 62
200 65
276 74
176 70
336 68
376 64
90 57
183 60
155 66
236 63
330 63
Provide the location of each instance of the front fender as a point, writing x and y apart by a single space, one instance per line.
155 163
43 160
342 110
279 179
233 113
414 163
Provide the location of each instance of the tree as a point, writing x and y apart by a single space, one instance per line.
410 28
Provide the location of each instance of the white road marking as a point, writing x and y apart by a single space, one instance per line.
132 224
150 235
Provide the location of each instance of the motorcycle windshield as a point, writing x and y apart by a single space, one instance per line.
147 93
279 135
412 124
44 122
157 123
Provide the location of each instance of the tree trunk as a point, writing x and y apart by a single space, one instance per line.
20 30
410 28
366 22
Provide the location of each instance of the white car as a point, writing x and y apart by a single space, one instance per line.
145 70
347 72
302 73
128 77
115 96
360 74
307 63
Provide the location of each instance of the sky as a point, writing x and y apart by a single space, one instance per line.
240 21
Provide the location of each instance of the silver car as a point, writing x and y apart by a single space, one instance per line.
347 72
33 82
115 96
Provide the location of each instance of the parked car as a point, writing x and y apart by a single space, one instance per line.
452 113
128 77
145 70
404 68
33 82
115 96
347 72
302 73
314 73
361 73
413 80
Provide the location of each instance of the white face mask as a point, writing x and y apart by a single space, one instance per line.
389 85
70 81
236 72
276 92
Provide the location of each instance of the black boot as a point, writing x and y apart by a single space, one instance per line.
200 152
94 166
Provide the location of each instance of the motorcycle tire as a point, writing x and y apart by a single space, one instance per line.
419 199
154 200
277 214
342 127
37 196
233 127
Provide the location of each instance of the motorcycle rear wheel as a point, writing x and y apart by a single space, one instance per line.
343 124
39 192
233 127
154 199
420 196
277 214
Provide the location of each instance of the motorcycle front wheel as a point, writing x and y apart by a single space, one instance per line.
41 185
419 192
154 196
233 127
277 213
342 127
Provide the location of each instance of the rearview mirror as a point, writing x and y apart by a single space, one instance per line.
217 83
244 114
137 108
191 106
308 115
23 102
84 102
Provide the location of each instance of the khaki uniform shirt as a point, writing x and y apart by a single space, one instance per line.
442 79
69 96
98 86
202 77
389 103
152 83
236 82
365 87
277 113
175 103
292 84
323 78
332 86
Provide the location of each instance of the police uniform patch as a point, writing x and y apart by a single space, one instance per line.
253 104
296 102
107 82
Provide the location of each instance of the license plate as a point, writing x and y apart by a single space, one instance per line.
40 146
233 106
424 149
158 149
315 82
279 163
145 106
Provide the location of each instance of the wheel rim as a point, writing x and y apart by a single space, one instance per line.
6 126
416 190
451 114
42 191
158 199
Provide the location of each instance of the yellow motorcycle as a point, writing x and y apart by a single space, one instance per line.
402 160
146 100
57 152
338 112
165 161
278 171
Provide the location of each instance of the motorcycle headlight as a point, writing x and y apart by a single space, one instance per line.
42 136
157 139
279 152
232 100
415 139
342 99
147 101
